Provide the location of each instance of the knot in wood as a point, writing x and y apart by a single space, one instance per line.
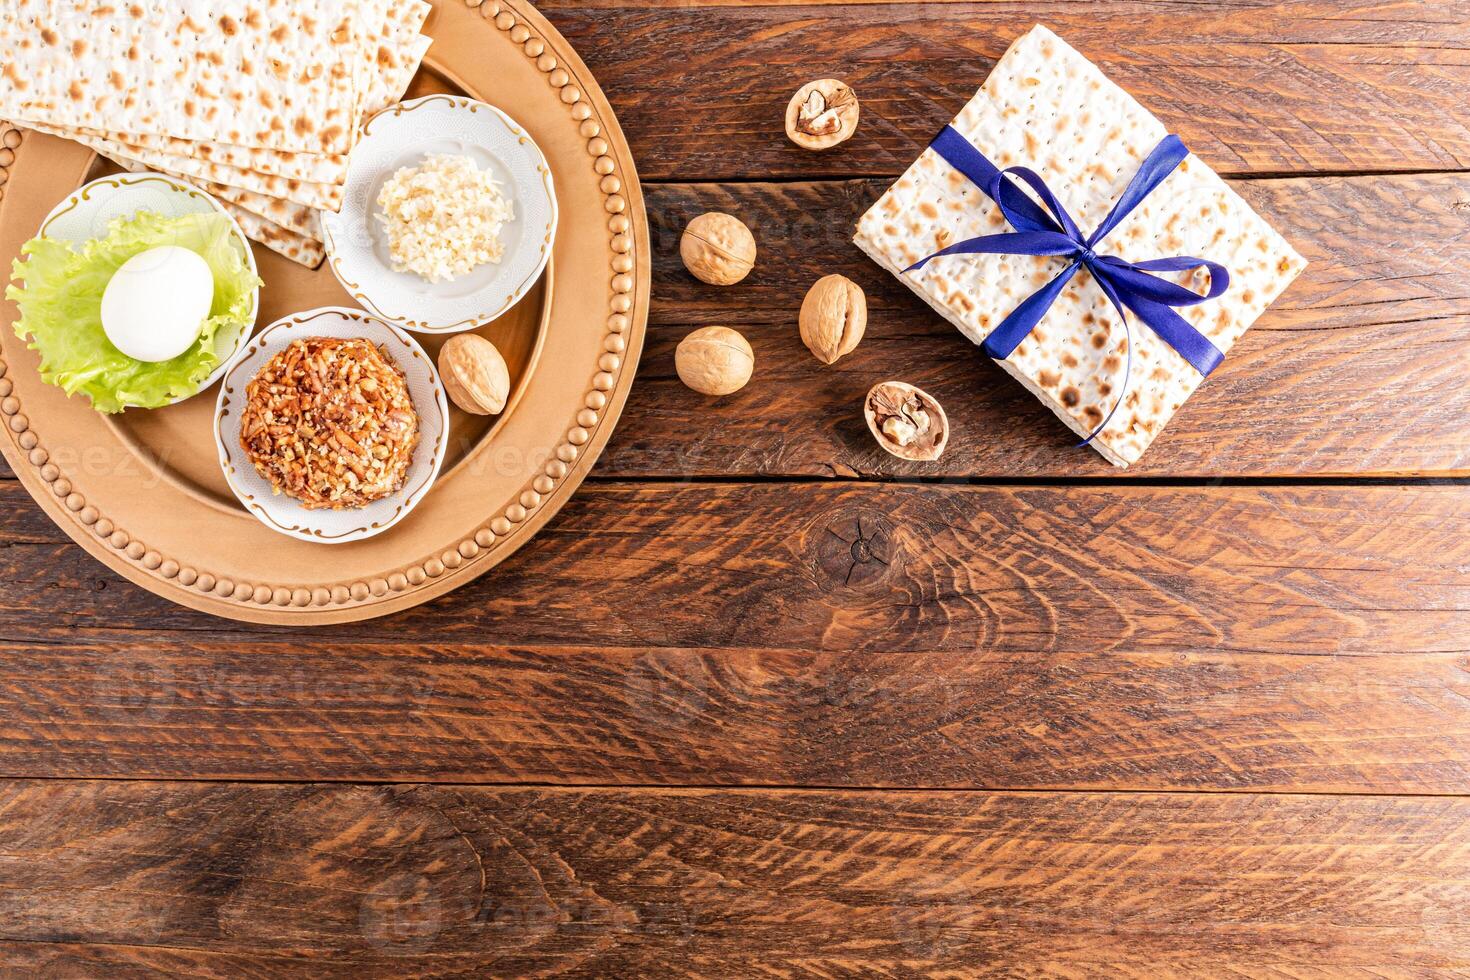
854 550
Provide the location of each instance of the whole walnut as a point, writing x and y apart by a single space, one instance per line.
714 361
474 374
718 249
834 318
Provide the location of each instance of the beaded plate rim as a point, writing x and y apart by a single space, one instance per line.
428 577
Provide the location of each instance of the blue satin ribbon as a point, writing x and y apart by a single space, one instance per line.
1126 284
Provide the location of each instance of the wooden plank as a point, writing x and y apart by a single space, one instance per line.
1299 87
1358 370
939 569
232 879
171 707
1362 254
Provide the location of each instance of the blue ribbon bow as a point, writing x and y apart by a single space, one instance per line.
1126 284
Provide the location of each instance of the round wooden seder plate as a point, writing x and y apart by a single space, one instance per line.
143 491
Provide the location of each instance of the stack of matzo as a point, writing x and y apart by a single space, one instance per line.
1048 108
259 102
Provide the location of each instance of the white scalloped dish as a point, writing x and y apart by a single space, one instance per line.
403 136
85 213
288 516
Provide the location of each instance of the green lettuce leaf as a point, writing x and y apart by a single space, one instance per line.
59 292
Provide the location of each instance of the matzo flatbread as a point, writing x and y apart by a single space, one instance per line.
398 58
320 196
387 50
399 52
240 72
210 158
297 248
371 29
300 219
296 218
1048 108
303 248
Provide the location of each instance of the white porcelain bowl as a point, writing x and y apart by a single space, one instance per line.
287 515
402 136
87 211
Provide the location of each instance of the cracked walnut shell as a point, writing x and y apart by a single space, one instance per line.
822 114
714 361
474 374
907 422
718 249
834 317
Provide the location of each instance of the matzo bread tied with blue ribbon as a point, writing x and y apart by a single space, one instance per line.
1048 108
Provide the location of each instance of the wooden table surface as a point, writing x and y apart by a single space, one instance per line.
763 700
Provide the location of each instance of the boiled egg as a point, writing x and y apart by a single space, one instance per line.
155 305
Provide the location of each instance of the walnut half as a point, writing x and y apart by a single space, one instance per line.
906 421
822 114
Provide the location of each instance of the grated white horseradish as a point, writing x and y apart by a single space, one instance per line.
444 217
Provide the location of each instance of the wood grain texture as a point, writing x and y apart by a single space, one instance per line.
1309 86
959 667
175 707
1359 369
834 567
240 880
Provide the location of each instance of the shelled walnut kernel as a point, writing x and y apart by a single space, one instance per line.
822 114
907 422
